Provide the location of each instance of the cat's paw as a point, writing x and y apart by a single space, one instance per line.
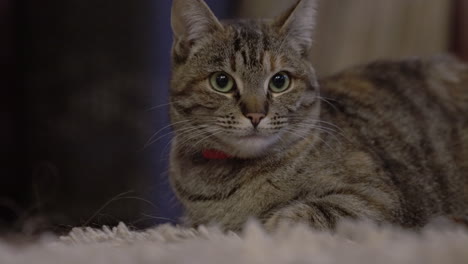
287 216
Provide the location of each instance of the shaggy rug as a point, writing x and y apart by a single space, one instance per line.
351 243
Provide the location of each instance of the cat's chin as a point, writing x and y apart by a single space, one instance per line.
251 146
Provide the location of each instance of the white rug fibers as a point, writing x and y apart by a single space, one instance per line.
352 243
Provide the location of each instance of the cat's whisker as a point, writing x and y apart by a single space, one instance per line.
331 133
326 143
317 124
162 105
281 139
212 116
327 100
317 136
321 122
327 130
285 145
147 217
338 130
291 131
152 140
189 138
301 118
185 132
166 127
161 137
327 123
158 106
214 133
156 140
120 196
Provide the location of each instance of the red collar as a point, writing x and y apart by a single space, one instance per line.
213 154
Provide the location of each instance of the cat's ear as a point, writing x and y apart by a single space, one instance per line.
192 19
297 24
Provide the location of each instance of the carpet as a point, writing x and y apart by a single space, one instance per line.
351 243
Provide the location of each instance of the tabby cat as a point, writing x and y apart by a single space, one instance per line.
257 135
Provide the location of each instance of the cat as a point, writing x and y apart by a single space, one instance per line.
257 135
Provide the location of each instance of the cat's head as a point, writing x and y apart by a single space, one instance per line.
243 87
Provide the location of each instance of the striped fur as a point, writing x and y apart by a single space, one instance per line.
386 141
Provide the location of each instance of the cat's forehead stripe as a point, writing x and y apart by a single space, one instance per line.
251 44
233 63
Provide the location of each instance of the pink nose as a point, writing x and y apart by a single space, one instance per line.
255 118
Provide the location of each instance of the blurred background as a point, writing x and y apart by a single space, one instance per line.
85 84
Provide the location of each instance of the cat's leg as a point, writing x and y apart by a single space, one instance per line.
326 212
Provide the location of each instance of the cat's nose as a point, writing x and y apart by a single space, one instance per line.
255 118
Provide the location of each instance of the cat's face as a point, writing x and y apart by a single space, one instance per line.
242 87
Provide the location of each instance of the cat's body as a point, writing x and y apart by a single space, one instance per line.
387 141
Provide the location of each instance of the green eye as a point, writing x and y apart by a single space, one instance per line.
280 82
222 82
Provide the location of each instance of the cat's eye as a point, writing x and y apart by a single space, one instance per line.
280 82
222 82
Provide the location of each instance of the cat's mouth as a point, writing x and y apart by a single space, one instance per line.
253 135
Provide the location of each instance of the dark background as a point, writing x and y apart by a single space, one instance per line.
83 88
81 79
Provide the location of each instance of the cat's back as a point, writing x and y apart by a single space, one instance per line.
423 92
413 114
442 80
